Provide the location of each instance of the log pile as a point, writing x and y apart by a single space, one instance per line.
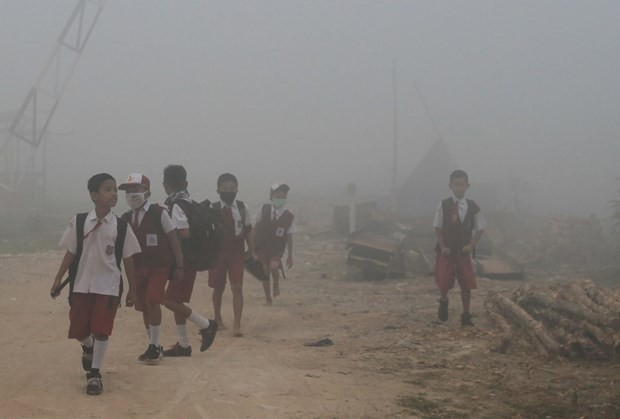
577 320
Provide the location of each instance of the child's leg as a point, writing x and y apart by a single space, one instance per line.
237 292
217 281
465 299
274 267
235 275
267 289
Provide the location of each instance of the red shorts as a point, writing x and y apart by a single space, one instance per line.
181 292
151 286
454 266
227 263
91 313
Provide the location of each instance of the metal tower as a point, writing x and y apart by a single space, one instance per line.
22 155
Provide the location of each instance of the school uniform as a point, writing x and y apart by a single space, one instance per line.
457 219
96 288
232 253
181 292
154 265
271 235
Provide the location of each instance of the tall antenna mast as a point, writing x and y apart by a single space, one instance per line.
20 170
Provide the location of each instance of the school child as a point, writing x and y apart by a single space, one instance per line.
273 233
456 220
95 243
237 228
161 255
178 294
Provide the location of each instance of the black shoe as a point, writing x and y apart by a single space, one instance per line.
178 350
152 354
442 313
466 320
94 386
87 358
208 335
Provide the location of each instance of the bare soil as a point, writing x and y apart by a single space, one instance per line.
390 356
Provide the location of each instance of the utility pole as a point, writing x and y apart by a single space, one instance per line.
395 131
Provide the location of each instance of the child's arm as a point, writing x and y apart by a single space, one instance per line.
442 246
470 247
129 273
289 246
178 255
67 260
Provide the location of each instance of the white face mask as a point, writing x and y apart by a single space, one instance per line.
135 199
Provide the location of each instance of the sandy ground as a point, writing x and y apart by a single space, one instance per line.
390 357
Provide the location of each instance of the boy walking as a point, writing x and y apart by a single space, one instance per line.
456 220
273 233
237 228
161 255
178 294
95 243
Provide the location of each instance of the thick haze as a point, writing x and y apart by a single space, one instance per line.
301 91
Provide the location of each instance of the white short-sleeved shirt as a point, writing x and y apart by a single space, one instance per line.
166 222
236 214
179 218
479 221
277 213
97 271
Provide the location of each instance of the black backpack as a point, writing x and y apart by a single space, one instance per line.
121 231
206 231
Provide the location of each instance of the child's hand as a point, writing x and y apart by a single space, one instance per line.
55 286
468 249
445 250
289 262
178 275
130 298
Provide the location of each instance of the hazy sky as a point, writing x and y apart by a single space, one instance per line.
301 91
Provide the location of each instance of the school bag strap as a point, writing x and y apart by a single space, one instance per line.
80 219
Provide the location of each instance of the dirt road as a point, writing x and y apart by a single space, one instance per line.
390 357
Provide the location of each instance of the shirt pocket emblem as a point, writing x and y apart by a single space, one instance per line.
151 240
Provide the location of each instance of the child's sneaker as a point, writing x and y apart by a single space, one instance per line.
442 312
94 386
466 320
208 335
87 358
178 350
152 354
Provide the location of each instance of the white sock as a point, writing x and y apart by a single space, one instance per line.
183 338
154 335
100 348
88 342
198 320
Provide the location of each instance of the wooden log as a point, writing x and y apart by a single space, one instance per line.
572 310
601 297
574 291
505 336
532 327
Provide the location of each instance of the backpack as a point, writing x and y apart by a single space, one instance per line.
121 231
206 231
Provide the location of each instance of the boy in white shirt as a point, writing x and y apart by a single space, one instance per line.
95 245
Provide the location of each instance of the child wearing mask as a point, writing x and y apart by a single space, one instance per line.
237 228
273 234
161 255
